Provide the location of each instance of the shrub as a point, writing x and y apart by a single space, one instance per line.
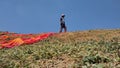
95 59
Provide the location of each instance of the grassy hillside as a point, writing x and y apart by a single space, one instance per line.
81 49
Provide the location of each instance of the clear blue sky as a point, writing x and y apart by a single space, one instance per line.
36 16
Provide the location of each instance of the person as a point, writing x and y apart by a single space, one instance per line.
62 24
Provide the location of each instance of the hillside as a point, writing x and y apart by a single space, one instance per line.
80 49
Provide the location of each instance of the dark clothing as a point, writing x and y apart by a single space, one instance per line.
62 20
62 24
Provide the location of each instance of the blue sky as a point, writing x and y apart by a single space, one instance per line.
36 16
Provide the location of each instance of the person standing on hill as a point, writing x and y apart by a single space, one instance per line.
62 24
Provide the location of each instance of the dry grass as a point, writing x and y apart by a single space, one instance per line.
81 49
97 35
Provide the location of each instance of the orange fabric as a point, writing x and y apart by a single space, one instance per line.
15 42
23 39
4 37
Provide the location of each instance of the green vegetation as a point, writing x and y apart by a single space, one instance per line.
81 49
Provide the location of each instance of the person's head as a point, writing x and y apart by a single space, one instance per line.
62 15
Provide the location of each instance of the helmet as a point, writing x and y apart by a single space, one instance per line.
62 15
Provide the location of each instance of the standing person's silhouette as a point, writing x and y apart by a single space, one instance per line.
62 24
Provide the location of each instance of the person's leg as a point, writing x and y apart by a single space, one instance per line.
65 29
60 30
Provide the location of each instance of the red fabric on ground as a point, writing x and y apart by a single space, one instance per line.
21 40
15 42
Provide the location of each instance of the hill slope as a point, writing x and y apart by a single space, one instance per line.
93 48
